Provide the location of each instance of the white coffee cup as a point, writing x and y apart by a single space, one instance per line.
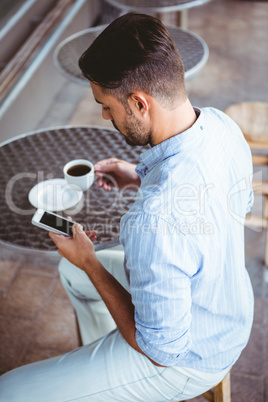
79 172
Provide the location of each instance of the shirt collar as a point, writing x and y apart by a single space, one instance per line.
170 146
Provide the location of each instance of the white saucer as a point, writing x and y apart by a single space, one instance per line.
54 195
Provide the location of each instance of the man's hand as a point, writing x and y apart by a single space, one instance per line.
79 249
116 173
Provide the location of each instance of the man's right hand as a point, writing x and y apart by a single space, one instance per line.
114 172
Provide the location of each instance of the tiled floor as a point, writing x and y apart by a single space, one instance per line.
36 317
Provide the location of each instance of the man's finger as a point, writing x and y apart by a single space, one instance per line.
56 238
91 232
77 229
105 162
106 167
107 186
100 182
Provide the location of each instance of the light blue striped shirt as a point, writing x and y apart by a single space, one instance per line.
184 246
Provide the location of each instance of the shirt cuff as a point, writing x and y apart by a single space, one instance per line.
160 357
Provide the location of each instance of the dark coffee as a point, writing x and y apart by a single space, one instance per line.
78 170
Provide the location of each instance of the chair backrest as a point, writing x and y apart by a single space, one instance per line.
252 118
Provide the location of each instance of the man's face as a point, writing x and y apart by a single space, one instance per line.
134 130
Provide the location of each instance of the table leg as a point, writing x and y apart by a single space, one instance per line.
179 18
266 226
182 19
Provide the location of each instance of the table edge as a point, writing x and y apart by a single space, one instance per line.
53 128
167 9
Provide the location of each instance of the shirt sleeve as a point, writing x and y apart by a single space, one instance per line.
160 262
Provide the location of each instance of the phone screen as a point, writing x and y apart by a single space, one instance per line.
57 222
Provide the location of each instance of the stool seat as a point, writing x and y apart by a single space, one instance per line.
221 392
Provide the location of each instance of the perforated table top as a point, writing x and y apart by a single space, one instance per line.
193 49
156 5
40 156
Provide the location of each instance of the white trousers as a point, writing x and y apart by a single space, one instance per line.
106 368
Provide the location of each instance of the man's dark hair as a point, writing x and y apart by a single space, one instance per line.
136 52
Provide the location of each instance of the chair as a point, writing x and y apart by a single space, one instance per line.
252 118
221 392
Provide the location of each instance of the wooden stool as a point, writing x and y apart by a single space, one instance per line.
252 118
221 392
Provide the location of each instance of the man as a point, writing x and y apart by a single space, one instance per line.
168 317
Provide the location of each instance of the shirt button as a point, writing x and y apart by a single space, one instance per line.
201 128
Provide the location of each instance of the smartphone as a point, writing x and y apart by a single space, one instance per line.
52 222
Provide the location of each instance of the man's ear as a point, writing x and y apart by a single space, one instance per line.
139 101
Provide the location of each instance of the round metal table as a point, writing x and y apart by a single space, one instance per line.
162 9
193 49
162 6
37 156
